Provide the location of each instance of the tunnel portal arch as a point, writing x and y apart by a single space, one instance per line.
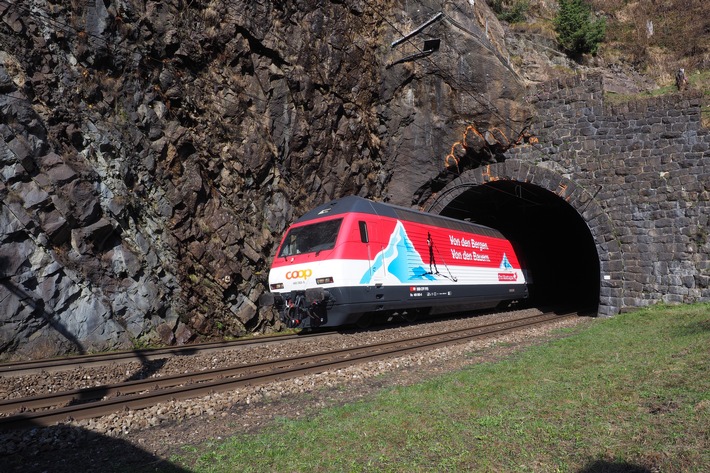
566 239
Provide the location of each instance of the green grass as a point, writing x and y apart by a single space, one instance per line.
628 392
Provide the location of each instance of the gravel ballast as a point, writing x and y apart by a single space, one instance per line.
155 433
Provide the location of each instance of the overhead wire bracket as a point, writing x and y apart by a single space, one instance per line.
415 32
430 45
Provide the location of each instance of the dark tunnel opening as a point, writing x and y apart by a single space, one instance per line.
552 239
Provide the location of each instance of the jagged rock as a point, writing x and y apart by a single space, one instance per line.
251 253
55 226
32 194
6 84
82 195
61 174
10 229
245 310
92 238
183 334
147 172
13 20
15 255
165 332
22 151
124 262
13 173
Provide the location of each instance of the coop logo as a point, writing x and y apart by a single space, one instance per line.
300 274
507 276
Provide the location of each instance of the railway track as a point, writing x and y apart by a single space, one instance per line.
22 368
48 409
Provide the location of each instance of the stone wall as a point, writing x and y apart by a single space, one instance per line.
639 175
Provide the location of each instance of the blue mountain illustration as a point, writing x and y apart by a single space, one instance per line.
403 261
505 264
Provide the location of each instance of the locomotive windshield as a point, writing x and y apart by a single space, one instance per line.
311 238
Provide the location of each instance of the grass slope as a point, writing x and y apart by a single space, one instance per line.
631 393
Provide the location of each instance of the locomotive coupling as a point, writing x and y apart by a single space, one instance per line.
298 307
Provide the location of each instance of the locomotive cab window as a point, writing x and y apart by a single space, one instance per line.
311 238
363 232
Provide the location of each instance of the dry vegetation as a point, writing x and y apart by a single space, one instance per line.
653 37
657 37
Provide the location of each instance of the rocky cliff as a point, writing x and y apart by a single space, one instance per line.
153 152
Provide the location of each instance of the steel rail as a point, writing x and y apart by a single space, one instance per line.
246 375
77 396
85 394
21 368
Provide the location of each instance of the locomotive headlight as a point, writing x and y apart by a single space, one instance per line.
278 285
327 280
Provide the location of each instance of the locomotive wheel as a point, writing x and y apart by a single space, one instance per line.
409 316
412 315
365 321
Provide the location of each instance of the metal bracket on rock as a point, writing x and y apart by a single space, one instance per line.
430 45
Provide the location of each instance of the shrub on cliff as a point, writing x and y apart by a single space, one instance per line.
512 11
577 33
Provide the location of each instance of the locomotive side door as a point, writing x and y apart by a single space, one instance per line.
370 236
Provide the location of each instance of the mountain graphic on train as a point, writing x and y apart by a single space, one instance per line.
353 259
406 265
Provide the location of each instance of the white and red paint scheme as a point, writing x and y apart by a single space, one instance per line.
354 258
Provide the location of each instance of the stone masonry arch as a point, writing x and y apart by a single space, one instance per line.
635 173
598 223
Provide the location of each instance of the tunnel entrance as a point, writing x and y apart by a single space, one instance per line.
553 240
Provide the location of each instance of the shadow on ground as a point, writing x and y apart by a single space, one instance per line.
604 466
66 449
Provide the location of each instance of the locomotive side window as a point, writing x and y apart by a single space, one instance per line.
363 232
311 238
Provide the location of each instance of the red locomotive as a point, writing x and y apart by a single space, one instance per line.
352 260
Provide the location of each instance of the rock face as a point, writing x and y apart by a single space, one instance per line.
153 152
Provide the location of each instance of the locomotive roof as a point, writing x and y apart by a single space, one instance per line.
358 204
